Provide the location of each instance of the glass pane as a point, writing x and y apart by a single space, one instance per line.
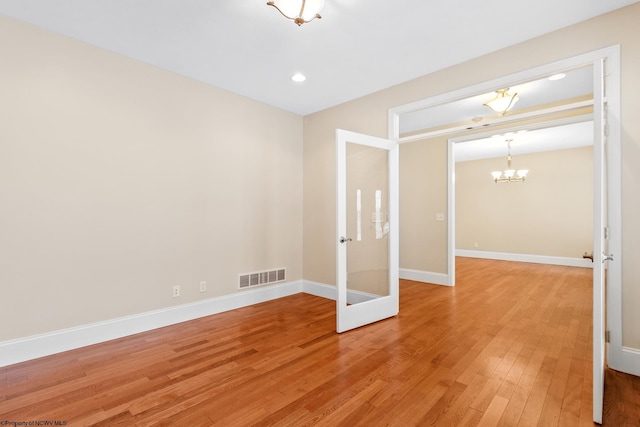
367 223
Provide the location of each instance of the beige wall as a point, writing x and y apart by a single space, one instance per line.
119 180
551 213
423 195
369 115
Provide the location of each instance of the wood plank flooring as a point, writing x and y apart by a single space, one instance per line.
510 345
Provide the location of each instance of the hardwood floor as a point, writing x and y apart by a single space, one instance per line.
510 345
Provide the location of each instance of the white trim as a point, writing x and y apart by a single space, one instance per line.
491 85
320 290
617 355
33 347
426 277
502 120
451 210
611 55
587 117
599 239
23 349
536 259
628 362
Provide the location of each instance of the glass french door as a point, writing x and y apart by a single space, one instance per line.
600 250
367 229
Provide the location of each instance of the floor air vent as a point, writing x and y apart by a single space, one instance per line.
248 280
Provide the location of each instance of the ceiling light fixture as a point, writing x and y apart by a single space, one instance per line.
298 77
557 76
299 11
503 101
509 175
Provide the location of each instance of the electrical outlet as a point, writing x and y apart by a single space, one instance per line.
176 291
203 286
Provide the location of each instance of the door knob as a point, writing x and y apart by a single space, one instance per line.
344 239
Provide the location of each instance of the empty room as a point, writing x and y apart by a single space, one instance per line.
319 213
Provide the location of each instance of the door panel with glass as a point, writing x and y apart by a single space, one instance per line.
367 241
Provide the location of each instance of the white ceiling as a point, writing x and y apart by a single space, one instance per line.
358 47
547 139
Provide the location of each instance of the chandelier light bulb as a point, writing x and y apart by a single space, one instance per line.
509 174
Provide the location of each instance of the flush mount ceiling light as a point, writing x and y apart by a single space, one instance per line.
503 101
298 77
557 76
509 175
299 11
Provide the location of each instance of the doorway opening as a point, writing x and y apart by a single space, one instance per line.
544 216
606 185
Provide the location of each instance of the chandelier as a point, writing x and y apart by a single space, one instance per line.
299 11
509 175
503 101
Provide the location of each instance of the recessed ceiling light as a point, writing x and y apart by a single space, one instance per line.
557 76
298 77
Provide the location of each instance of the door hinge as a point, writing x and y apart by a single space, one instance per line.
607 336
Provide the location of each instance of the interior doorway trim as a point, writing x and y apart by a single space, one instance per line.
619 357
502 120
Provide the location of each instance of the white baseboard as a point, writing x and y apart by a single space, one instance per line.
627 361
33 347
320 290
536 259
425 276
23 349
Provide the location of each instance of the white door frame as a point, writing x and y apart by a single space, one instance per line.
619 358
600 225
